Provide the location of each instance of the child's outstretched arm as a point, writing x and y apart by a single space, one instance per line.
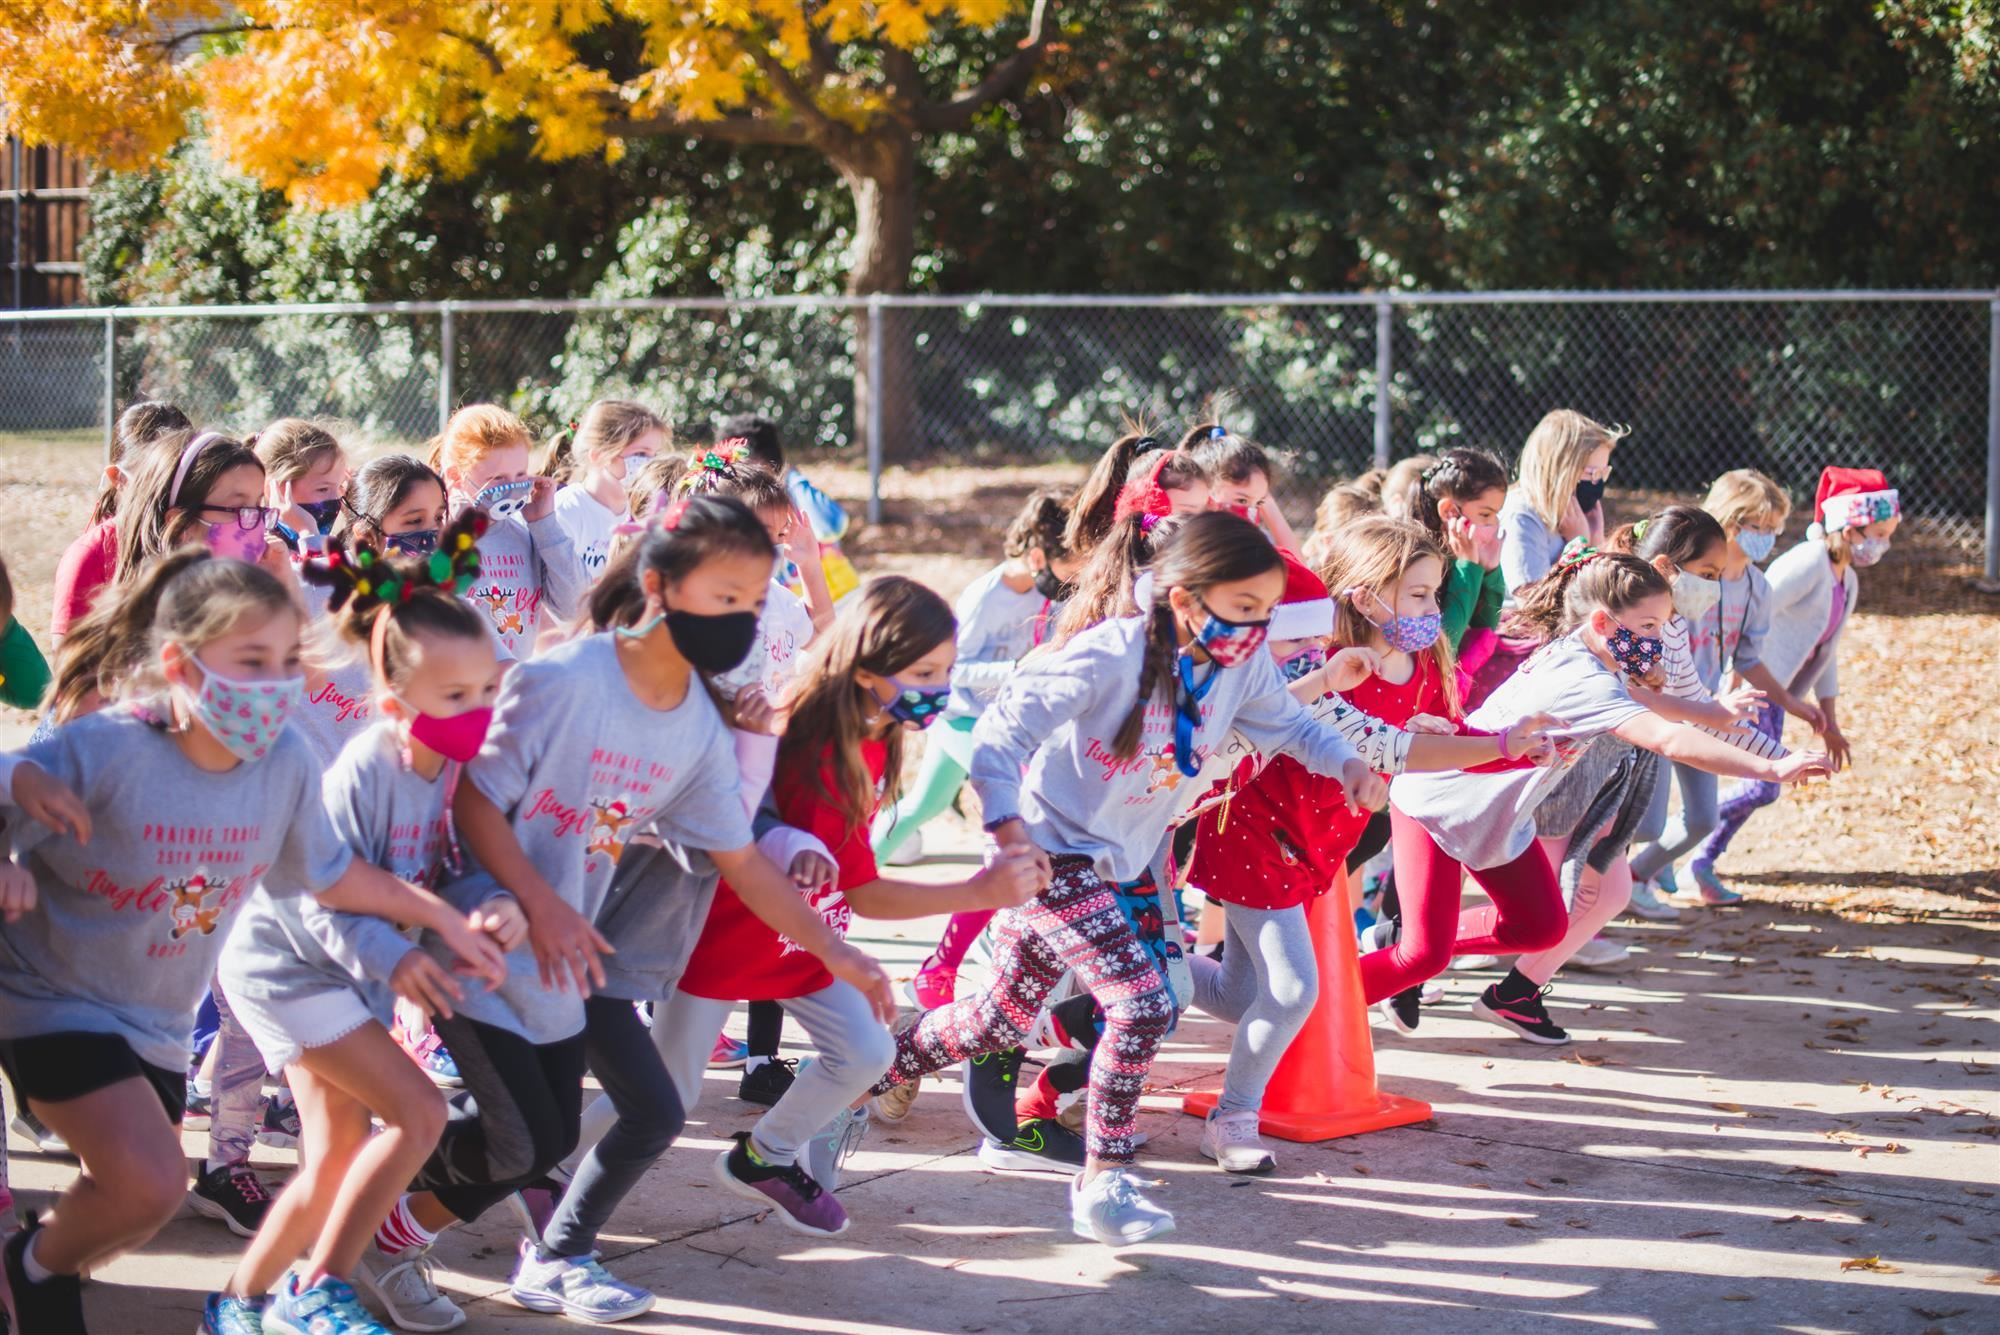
1014 877
1275 722
367 890
567 946
1692 746
773 897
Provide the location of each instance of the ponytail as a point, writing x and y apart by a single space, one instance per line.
109 643
1091 513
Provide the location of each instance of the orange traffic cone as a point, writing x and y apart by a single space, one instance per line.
1324 1086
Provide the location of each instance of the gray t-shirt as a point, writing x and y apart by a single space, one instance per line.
581 766
1487 820
530 575
129 928
1059 712
287 946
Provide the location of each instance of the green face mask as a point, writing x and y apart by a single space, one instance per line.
24 673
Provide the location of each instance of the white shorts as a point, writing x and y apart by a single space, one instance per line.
284 1028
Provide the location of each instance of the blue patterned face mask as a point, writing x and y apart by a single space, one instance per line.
504 499
1757 546
1637 654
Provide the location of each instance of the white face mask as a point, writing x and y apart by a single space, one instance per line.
1694 596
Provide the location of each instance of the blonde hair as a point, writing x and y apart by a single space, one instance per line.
472 433
291 447
606 426
1340 506
1553 459
1400 484
1744 494
1374 553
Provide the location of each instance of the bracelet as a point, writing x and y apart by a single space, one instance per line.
1504 753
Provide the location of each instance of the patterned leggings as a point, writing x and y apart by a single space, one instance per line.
1074 924
1744 799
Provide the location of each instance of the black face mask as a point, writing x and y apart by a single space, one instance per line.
1053 589
1588 494
716 643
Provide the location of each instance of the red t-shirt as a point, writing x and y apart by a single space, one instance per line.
1282 837
739 958
86 566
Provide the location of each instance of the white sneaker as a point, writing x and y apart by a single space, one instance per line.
910 851
1432 993
405 1288
1598 953
1381 934
1109 1209
1231 1140
1474 963
1647 904
576 1286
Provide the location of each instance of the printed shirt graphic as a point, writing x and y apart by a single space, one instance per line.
528 573
581 766
291 946
589 525
336 710
130 927
738 957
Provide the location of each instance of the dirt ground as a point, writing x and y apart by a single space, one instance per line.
1778 1117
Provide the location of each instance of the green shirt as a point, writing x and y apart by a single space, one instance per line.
1471 596
24 673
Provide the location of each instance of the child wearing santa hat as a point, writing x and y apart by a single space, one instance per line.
1813 591
1279 840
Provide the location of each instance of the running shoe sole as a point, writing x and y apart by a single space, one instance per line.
1088 1234
728 1181
1491 1016
208 1209
537 1302
1266 1165
1008 1159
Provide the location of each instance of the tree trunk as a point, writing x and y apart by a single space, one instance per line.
883 180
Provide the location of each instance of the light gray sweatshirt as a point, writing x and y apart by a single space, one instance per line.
1056 719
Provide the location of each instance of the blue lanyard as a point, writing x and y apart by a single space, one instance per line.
1187 712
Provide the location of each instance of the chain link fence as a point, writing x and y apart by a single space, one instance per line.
1784 382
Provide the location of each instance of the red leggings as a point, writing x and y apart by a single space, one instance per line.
1526 915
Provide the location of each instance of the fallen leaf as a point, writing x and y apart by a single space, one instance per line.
1575 1223
1938 1313
1727 1107
1704 1233
1874 1265
1993 1278
1515 1221
1952 1219
1536 1185
1470 1163
1816 1172
1737 1298
1840 1200
1362 1169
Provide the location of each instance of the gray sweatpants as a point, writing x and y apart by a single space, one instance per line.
1265 984
854 1050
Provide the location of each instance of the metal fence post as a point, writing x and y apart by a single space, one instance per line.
447 362
875 379
1993 447
110 384
1385 369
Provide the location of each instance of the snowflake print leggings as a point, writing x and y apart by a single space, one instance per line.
1074 924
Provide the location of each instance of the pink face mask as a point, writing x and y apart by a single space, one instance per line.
234 542
456 738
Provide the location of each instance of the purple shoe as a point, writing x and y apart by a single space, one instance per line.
802 1204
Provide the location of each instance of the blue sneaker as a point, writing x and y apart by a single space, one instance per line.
430 1054
728 1053
1713 892
329 1307
226 1314
280 1126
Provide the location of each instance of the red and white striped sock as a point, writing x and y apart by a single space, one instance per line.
401 1231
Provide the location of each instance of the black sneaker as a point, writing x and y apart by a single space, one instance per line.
235 1195
768 1082
52 1307
1401 1009
1523 1013
987 1084
279 1127
1042 1145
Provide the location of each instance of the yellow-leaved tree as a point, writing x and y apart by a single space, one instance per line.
320 98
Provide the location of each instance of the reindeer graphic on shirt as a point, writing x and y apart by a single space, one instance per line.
609 821
187 913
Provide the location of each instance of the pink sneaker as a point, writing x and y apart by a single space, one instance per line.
934 986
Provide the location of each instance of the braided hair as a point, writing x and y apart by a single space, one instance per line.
1461 476
383 603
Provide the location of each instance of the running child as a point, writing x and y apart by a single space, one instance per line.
1283 837
607 737
1104 730
1814 589
1096 508
1445 825
316 988
884 668
197 793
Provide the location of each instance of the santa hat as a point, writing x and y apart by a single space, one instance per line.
1306 610
1854 498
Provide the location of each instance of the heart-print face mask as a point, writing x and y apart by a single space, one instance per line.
245 716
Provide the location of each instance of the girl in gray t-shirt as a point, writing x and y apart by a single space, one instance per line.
196 794
314 986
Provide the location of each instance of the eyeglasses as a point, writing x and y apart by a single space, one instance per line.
1597 474
248 517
